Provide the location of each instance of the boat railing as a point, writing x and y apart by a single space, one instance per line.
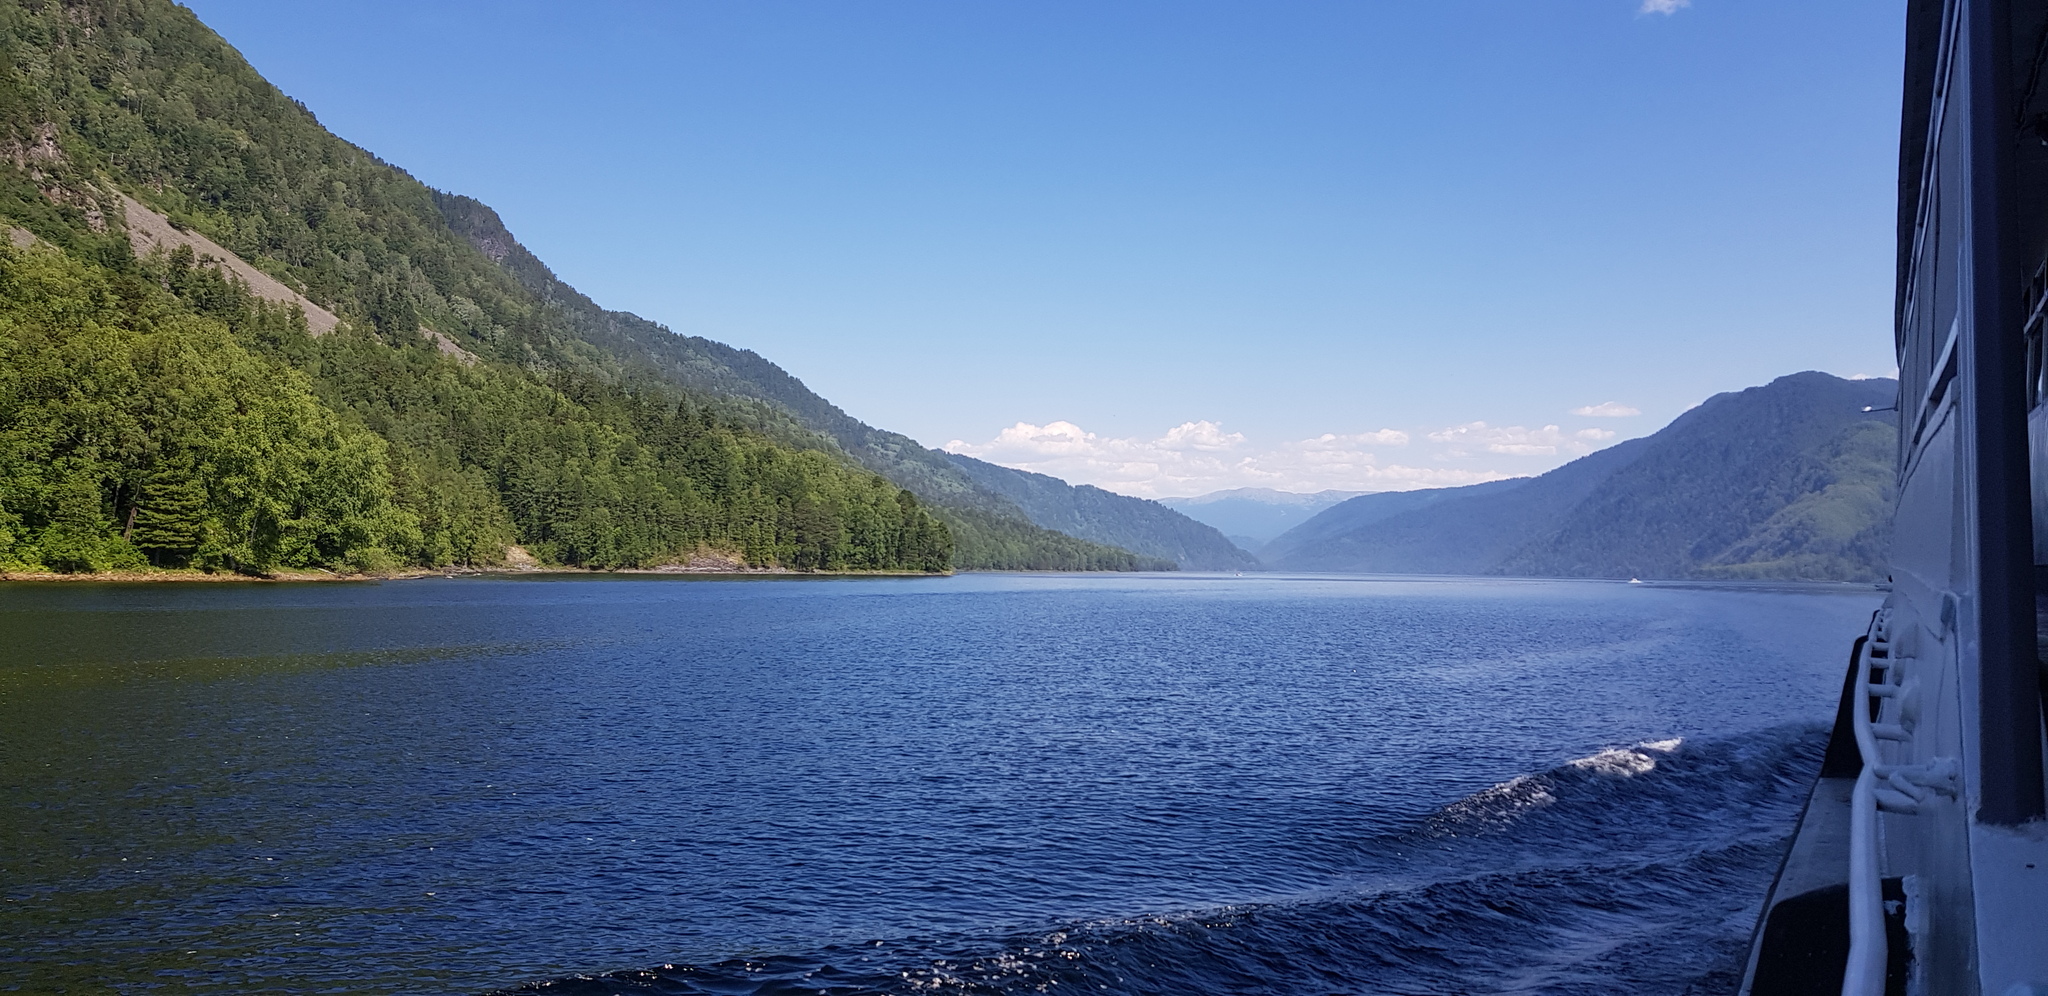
1893 788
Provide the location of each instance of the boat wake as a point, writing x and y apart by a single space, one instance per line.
1635 870
1505 803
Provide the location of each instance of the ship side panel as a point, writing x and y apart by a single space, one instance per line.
1930 849
1963 561
1999 600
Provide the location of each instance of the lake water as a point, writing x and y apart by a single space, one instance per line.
985 783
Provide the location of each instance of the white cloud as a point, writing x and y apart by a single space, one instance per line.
1384 437
1508 440
1662 6
1607 409
1205 436
1198 457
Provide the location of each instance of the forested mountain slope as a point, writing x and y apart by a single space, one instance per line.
1147 528
1792 479
1789 480
154 413
479 401
992 531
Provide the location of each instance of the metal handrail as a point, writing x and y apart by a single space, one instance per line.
1864 975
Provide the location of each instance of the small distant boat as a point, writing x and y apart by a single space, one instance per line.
1635 580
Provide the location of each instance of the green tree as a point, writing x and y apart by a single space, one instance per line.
169 516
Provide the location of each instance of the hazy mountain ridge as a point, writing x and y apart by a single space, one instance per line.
1789 480
1468 530
1145 527
1252 517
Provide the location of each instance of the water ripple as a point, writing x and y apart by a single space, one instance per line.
978 784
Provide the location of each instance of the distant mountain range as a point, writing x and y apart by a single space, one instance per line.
1253 517
1789 480
1147 528
377 374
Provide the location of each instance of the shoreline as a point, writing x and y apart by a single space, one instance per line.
169 576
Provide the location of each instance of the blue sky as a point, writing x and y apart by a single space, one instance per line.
1168 247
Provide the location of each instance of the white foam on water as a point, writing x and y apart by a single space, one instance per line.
1618 763
1498 805
1627 762
1509 800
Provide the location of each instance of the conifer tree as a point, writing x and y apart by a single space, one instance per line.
169 516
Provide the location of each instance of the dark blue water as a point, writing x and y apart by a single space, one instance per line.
1153 784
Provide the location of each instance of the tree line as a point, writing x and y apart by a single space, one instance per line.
158 414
